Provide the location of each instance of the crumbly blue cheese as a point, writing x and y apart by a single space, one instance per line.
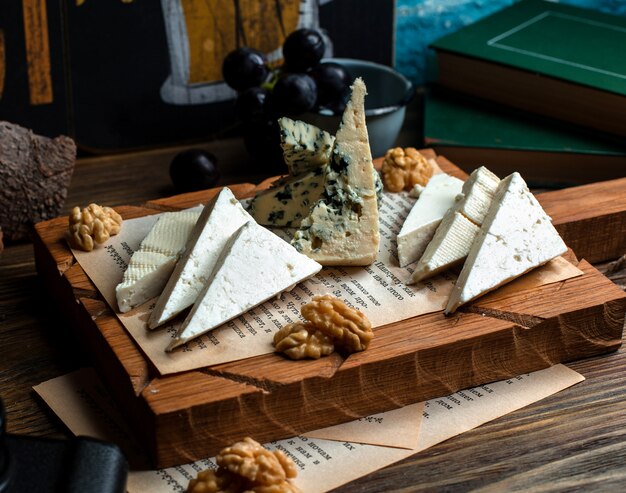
151 265
516 236
342 227
219 220
289 200
255 266
460 225
305 147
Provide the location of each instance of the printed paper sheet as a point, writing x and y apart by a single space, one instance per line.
378 290
81 403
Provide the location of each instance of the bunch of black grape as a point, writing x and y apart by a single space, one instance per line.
264 94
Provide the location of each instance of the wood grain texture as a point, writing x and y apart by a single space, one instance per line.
37 51
596 228
191 415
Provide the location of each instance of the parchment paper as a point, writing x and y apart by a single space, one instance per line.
378 290
322 464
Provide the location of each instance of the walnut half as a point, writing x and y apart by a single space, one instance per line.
404 168
247 466
347 327
302 340
93 224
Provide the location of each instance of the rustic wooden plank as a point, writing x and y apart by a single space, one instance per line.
590 218
191 415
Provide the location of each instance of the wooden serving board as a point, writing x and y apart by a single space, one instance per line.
187 416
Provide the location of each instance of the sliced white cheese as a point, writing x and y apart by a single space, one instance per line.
342 227
219 220
305 147
420 225
516 236
459 226
289 201
151 265
255 266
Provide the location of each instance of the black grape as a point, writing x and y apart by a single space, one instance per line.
252 104
303 49
194 169
244 68
333 85
294 94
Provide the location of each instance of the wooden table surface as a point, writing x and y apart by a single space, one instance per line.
572 441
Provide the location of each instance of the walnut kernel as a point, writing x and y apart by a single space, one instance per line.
404 168
349 328
93 224
220 481
250 460
302 340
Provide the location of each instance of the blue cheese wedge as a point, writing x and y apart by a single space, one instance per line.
420 225
459 226
305 147
152 264
287 202
255 266
219 220
342 227
516 236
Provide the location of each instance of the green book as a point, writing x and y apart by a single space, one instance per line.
565 62
472 133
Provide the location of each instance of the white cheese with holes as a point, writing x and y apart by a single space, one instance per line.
255 266
305 147
342 227
516 236
151 265
219 220
420 225
454 236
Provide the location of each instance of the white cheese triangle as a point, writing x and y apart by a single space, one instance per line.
255 266
458 228
516 236
219 220
420 224
342 227
151 265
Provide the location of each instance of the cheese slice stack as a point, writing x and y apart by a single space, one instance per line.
420 225
460 225
219 220
255 265
342 227
516 236
152 264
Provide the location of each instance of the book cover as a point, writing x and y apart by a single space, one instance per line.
472 133
569 43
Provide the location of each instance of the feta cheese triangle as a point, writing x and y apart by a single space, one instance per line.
516 236
151 265
254 266
219 220
342 227
420 225
454 236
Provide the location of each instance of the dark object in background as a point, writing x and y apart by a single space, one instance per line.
35 172
110 62
81 465
194 169
303 49
244 68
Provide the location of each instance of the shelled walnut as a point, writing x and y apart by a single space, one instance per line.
402 169
349 328
247 466
93 224
302 340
